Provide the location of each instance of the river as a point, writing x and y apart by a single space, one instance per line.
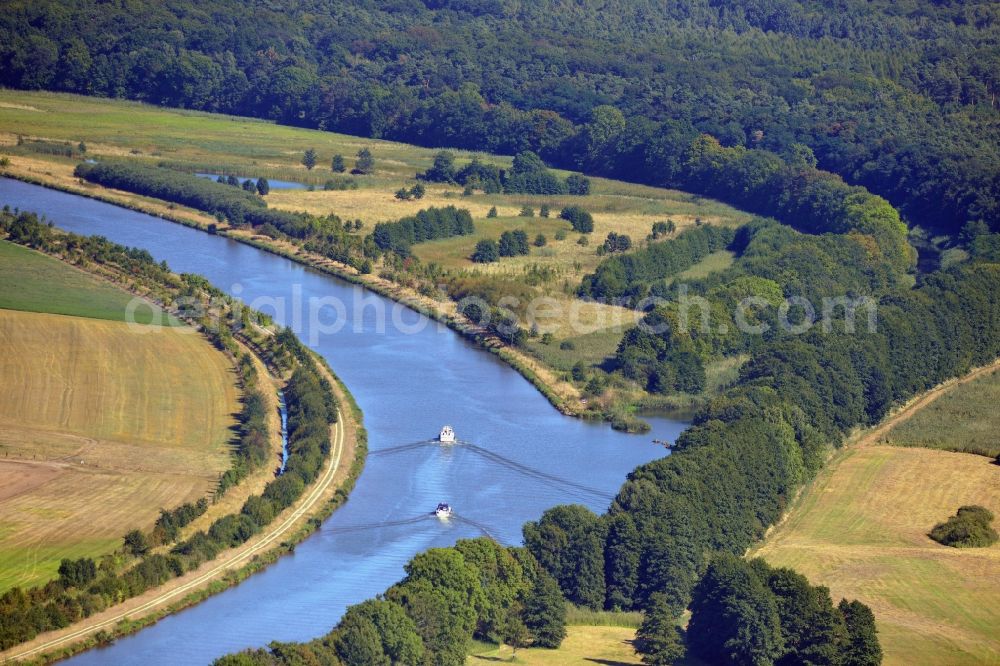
410 376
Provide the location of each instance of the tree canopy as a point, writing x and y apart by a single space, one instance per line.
610 89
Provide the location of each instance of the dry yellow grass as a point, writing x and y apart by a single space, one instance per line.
595 645
216 143
861 529
107 425
618 207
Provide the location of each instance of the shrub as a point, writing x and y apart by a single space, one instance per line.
969 528
577 184
581 220
486 251
365 163
513 243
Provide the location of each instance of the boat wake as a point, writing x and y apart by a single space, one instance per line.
423 518
576 489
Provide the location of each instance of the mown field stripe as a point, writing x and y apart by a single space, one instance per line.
238 556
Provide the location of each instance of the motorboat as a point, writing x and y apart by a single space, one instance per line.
443 511
447 435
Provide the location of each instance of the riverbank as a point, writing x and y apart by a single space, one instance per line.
566 361
348 442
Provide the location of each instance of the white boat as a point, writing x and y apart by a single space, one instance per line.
447 435
443 511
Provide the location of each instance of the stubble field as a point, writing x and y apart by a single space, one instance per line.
101 425
861 529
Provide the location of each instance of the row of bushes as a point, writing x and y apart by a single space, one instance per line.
253 449
528 175
168 526
629 276
429 224
60 148
84 587
237 205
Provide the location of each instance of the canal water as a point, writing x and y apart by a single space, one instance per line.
410 377
274 184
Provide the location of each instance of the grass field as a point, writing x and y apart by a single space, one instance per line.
962 419
717 261
250 148
611 646
34 282
861 529
100 427
548 276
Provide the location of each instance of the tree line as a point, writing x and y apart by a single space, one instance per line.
327 235
485 77
630 276
237 205
474 589
85 587
528 175
429 224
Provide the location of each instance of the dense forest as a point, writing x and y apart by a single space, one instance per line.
781 283
897 96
